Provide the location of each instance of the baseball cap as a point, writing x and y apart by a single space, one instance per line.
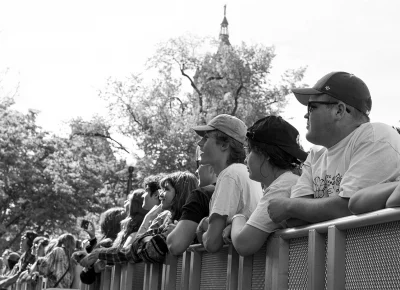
230 125
274 130
342 86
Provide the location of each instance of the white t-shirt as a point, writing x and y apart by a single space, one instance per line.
235 192
368 156
281 186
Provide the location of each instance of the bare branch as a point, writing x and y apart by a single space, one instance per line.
102 136
236 98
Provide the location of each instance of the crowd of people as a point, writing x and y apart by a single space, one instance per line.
250 182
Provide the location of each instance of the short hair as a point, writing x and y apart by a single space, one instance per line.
110 222
237 154
30 236
183 183
153 182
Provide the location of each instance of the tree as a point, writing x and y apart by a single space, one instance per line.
46 181
223 79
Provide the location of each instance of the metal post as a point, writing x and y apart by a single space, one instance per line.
130 171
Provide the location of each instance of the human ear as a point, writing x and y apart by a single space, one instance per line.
224 146
340 111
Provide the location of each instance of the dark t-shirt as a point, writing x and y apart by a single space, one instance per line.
197 204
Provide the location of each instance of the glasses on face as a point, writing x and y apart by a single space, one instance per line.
311 108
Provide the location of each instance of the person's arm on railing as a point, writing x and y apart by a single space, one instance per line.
394 198
246 239
312 210
212 237
181 237
371 198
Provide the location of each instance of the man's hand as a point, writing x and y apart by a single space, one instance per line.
201 229
278 208
89 259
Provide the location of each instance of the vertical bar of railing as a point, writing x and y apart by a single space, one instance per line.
152 276
316 260
336 258
146 276
277 264
123 276
129 274
168 280
195 269
245 272
233 267
185 270
115 277
106 278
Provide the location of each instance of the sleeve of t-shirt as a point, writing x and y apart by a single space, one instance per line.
371 163
260 218
304 185
227 197
196 207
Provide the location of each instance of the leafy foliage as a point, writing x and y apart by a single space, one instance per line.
46 181
222 78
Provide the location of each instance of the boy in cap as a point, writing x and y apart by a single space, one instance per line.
222 147
355 153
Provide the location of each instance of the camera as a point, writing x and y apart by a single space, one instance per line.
84 224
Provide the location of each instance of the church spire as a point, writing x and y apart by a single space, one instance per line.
223 34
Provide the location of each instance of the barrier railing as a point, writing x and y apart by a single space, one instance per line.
355 252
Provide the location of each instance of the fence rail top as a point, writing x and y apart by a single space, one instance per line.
354 221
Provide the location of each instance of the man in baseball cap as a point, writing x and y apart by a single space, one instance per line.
221 147
355 153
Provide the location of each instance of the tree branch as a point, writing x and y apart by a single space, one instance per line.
102 136
193 85
236 98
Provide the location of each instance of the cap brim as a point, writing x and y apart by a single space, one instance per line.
201 130
295 152
302 95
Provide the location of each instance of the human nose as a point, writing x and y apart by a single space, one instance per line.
307 115
246 159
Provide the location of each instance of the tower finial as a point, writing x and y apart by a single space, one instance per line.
223 34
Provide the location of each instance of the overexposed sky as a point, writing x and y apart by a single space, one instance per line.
61 52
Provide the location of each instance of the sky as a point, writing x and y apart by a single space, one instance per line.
60 53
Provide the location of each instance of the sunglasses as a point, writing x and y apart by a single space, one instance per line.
310 108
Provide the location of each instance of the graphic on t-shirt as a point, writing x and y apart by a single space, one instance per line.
325 187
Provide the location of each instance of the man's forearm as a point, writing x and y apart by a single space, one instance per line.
212 242
318 210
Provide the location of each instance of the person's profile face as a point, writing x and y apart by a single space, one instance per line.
150 200
167 195
210 151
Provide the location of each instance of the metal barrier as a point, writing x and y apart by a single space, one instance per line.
355 252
